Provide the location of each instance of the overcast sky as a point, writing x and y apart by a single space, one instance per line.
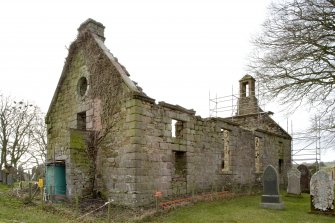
178 51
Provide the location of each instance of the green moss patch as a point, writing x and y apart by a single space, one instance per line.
77 140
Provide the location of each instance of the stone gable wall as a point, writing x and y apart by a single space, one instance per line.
272 144
63 118
258 121
104 104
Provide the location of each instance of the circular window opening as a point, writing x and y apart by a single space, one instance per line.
82 86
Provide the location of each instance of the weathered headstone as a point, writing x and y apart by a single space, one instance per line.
322 192
293 177
305 178
4 176
271 198
10 179
11 175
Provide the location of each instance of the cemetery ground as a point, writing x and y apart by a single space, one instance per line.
237 209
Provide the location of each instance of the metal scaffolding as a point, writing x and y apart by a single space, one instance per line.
227 106
305 148
311 149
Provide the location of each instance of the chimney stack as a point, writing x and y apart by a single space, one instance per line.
94 27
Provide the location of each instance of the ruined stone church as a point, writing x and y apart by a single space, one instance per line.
107 137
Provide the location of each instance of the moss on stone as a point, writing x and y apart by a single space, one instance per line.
78 151
114 154
77 140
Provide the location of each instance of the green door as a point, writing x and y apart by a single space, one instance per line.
55 179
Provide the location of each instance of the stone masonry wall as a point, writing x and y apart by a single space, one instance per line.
258 121
276 144
103 106
201 142
63 118
116 160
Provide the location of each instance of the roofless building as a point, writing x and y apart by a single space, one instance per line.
107 137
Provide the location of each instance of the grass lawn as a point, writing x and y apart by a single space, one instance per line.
244 209
13 210
240 209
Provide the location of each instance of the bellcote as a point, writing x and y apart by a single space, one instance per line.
247 86
247 102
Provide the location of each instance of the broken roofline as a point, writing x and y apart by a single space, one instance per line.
96 31
268 115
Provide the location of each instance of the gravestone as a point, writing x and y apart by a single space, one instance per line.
322 192
271 198
4 176
10 179
293 177
305 178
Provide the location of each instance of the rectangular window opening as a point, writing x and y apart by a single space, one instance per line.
177 128
81 120
222 165
280 165
280 150
258 155
180 163
226 158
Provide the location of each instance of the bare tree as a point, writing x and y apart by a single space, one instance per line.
5 129
19 127
294 59
38 149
